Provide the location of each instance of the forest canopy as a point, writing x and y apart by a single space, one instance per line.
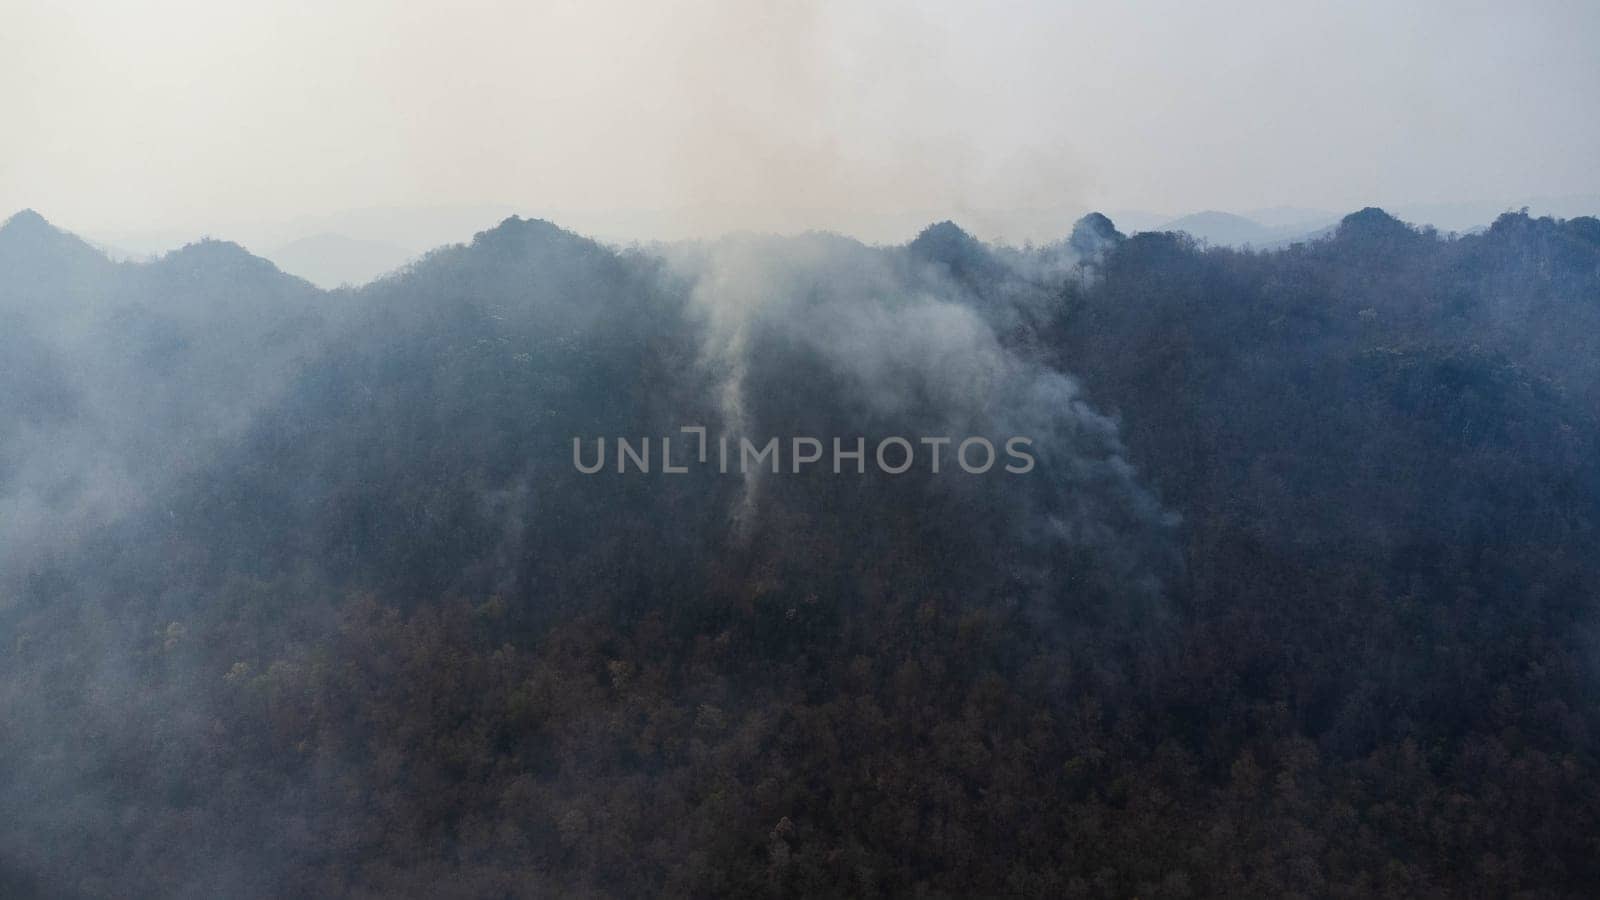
302 594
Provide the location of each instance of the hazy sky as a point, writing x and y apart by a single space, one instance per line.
714 115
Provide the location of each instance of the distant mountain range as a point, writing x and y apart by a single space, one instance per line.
355 246
1276 227
331 260
1228 230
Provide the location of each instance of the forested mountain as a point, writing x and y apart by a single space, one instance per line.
303 593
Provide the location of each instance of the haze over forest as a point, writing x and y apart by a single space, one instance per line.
311 314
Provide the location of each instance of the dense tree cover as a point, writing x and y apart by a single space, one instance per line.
1302 604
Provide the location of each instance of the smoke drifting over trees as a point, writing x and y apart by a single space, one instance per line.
303 595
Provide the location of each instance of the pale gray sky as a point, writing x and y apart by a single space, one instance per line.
659 119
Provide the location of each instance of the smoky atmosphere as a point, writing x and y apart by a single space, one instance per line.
820 449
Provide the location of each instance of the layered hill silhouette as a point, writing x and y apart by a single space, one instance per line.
305 596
